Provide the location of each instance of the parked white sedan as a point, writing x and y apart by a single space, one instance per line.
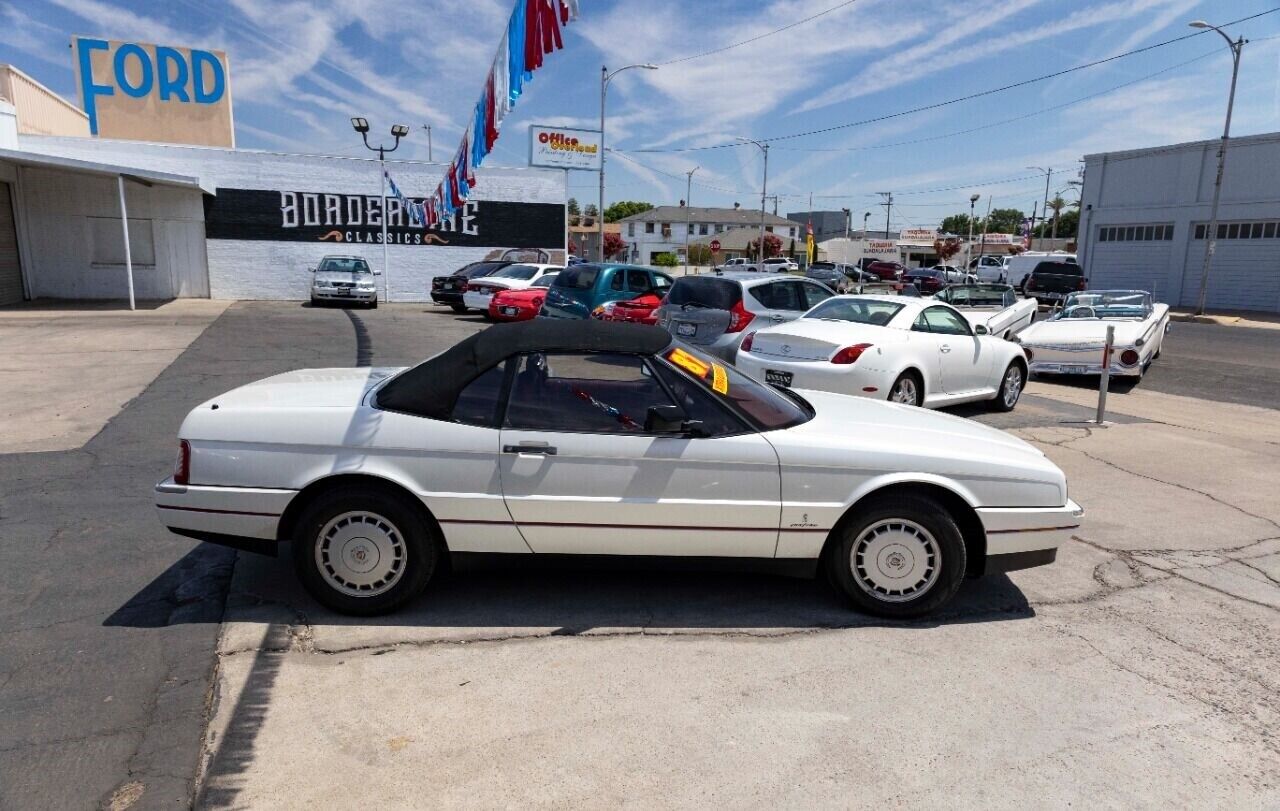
907 350
995 306
480 291
1071 341
599 438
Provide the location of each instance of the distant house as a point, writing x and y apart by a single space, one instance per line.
662 229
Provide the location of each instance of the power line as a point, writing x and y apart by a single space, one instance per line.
969 97
758 37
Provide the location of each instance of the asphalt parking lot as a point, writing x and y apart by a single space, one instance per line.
146 670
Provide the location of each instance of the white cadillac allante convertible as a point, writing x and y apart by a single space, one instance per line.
598 438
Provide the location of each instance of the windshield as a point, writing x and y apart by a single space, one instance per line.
766 406
343 265
705 291
544 281
855 310
578 277
1107 304
516 272
973 296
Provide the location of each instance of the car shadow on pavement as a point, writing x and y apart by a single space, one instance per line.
1118 385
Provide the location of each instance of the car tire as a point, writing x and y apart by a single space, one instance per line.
373 305
459 308
908 385
1010 388
338 535
902 556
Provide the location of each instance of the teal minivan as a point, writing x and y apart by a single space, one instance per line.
579 289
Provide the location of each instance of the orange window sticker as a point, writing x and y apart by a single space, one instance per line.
719 379
689 363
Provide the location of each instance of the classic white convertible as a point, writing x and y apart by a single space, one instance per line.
995 306
1071 341
906 350
600 438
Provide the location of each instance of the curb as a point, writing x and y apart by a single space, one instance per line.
1223 320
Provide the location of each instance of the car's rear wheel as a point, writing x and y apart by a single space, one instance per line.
907 389
901 557
1011 386
359 550
459 308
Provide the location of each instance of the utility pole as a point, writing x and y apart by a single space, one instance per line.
688 203
968 260
982 246
888 207
1048 174
427 127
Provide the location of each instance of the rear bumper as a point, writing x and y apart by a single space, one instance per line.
1018 537
446 297
477 301
247 515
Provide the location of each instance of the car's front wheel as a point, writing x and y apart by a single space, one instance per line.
359 550
1011 386
901 557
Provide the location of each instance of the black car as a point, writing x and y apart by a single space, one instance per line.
1051 282
926 280
448 289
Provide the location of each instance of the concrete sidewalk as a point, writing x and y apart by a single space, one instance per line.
74 365
1141 670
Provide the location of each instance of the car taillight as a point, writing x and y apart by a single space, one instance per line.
748 341
739 317
182 465
850 354
1080 284
1031 284
1129 357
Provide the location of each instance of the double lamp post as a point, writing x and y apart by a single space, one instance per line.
361 125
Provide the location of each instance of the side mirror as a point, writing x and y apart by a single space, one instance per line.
312 270
981 329
377 273
669 419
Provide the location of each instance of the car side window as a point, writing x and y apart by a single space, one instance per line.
944 321
617 280
780 296
661 284
477 404
588 392
638 281
814 295
700 406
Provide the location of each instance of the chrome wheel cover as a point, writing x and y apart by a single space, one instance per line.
895 560
1012 386
904 392
360 554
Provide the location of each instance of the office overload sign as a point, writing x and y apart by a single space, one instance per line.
564 148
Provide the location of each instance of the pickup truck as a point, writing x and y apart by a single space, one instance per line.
1051 282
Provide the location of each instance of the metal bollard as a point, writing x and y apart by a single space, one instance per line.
1105 381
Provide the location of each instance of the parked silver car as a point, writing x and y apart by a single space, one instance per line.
714 313
344 278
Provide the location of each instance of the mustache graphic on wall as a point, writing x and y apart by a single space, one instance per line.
427 239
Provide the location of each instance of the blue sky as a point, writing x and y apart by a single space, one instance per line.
301 69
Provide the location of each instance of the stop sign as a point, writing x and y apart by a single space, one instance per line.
715 246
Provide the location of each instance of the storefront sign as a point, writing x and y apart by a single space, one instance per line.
562 148
924 235
998 239
880 246
300 216
141 92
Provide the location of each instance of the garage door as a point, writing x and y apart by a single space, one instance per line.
1245 274
10 271
1131 266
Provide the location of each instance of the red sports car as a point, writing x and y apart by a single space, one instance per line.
638 310
521 304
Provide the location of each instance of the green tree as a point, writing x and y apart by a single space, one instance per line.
625 208
958 224
591 211
574 210
772 246
1002 221
699 255
665 259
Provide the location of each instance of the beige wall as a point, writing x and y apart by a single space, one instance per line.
40 110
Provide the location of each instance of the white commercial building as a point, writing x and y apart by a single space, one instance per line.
240 224
663 229
1145 213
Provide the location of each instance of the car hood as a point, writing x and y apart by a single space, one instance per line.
1086 332
331 276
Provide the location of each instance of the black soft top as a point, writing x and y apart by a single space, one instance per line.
431 388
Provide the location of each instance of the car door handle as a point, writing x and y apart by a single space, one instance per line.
777 318
945 348
530 447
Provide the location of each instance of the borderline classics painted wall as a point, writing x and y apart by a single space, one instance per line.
276 215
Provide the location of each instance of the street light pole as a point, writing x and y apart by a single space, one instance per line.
361 125
427 127
1211 235
605 76
866 216
688 204
973 199
764 192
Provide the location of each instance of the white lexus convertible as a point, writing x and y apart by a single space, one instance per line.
1071 341
599 438
906 350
